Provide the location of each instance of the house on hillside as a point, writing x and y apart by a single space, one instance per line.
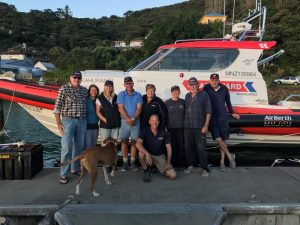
20 65
44 66
137 43
212 17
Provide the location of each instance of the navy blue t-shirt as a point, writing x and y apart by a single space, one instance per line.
155 144
218 99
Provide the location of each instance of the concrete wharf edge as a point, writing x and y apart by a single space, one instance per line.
275 191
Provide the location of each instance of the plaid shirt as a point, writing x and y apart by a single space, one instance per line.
71 102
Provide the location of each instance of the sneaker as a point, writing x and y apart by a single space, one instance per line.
188 170
133 166
222 167
232 163
125 167
204 173
147 176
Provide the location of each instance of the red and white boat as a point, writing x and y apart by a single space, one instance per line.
235 59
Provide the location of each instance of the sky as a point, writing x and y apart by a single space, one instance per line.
90 8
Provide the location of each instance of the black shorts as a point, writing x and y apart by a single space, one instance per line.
219 129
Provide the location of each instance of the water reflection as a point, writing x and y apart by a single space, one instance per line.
21 126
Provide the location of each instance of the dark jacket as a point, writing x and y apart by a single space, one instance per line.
155 106
196 109
110 112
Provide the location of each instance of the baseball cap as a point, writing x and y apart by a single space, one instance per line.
175 87
193 81
109 83
214 76
128 80
76 74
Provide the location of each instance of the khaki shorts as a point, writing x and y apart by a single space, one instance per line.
160 162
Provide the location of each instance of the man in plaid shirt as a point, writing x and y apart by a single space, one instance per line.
70 115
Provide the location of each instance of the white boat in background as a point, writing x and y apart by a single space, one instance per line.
235 58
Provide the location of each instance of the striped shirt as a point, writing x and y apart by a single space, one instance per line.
71 102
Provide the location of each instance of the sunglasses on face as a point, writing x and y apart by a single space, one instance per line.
74 77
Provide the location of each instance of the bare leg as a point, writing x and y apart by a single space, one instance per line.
142 158
133 150
224 149
124 150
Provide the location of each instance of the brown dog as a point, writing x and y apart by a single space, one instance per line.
107 155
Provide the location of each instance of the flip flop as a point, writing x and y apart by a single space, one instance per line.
63 180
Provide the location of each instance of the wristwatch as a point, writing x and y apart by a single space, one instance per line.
132 118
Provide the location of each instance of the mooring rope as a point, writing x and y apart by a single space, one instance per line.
7 117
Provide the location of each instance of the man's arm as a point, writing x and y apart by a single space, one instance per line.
58 108
58 122
169 156
208 111
124 114
140 148
229 105
206 124
138 111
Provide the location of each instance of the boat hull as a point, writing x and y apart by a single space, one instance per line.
250 136
262 125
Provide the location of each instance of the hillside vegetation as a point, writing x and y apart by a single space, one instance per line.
80 44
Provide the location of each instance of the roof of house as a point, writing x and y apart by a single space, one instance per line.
213 14
46 64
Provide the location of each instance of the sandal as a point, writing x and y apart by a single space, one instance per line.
63 180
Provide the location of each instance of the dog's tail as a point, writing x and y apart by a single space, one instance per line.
70 161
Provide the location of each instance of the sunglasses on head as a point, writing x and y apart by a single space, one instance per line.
75 77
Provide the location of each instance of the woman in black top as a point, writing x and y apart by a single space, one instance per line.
108 113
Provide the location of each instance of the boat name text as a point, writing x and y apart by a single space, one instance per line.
282 121
240 74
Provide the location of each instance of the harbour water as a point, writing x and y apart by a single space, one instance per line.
20 126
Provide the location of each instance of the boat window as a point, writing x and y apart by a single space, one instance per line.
212 59
175 60
147 62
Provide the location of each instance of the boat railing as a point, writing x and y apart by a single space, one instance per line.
205 39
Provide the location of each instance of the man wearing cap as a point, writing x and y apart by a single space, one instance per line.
130 106
175 107
108 112
70 115
196 121
219 126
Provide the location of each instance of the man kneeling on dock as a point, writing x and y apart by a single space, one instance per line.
151 145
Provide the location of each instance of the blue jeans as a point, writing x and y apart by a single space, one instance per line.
72 143
91 136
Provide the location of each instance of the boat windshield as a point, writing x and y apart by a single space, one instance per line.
189 59
147 62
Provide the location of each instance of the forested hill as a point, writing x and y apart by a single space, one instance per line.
73 43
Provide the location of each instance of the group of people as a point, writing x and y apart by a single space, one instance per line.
165 134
